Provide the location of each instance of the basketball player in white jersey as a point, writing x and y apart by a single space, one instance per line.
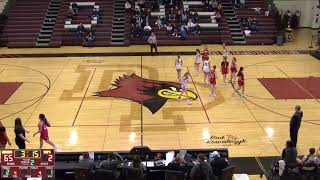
178 64
197 61
206 68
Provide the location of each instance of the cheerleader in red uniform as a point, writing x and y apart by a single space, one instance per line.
43 130
213 80
233 70
224 69
205 53
240 76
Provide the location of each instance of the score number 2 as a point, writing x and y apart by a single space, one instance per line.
8 158
50 156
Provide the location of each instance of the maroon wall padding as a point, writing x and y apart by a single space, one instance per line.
7 89
285 88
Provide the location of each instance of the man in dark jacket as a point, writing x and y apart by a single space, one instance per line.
202 170
295 125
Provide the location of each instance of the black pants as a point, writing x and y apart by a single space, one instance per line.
153 46
21 144
294 136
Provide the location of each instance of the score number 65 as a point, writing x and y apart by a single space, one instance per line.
7 158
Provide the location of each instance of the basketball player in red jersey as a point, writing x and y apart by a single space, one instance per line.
233 70
43 130
240 76
224 69
4 140
205 53
213 80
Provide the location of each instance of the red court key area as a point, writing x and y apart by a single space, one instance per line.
7 89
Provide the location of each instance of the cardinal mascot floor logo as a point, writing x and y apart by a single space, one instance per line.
150 93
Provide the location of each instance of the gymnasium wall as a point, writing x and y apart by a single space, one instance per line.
307 8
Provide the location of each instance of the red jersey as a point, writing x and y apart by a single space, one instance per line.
240 79
213 78
224 67
44 131
205 54
233 67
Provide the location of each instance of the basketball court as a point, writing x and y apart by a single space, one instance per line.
117 102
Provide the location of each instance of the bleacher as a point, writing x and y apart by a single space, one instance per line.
102 30
266 33
24 23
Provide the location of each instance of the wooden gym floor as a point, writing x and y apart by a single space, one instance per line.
64 89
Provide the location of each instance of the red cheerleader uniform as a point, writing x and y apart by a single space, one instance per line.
205 54
240 79
213 78
44 132
233 68
224 67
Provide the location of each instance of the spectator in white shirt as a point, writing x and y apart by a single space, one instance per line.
128 6
309 162
190 25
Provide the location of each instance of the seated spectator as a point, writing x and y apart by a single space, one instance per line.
178 165
218 17
85 162
159 23
190 26
268 10
289 155
202 170
74 7
95 14
81 30
90 38
112 163
197 29
147 30
70 14
244 21
253 25
136 163
169 29
195 17
172 17
128 6
218 163
309 162
184 18
242 3
141 3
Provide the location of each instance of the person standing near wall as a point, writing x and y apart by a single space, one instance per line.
153 42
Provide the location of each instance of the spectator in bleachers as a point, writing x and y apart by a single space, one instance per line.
169 29
136 163
289 154
253 24
90 38
147 30
309 162
184 17
112 163
257 10
195 17
95 15
159 23
220 7
190 26
74 7
242 3
178 165
128 6
85 162
172 17
197 29
218 163
81 30
183 32
218 17
141 3
244 21
268 10
202 170
70 14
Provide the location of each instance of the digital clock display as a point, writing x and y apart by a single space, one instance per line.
31 163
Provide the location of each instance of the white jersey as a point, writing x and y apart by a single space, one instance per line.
198 60
225 53
178 64
206 66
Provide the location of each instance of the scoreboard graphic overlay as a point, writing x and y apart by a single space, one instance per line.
32 163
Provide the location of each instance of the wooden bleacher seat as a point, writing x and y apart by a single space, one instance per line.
84 4
208 25
75 26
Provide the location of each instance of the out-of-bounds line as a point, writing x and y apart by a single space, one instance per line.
205 111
